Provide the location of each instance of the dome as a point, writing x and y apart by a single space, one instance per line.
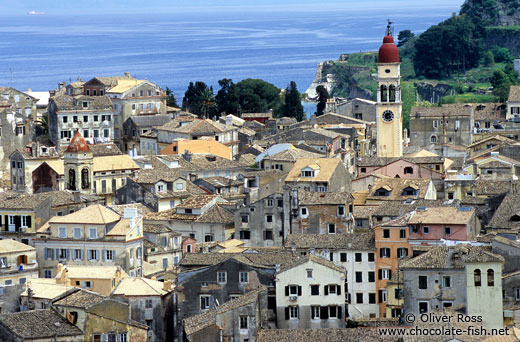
77 144
388 52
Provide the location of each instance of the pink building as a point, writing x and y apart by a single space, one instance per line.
404 168
428 226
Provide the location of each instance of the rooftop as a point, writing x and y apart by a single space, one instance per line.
323 198
92 272
94 214
354 241
13 246
81 299
326 167
133 286
310 258
442 215
514 94
38 324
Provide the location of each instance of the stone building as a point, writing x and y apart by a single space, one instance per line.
135 126
463 275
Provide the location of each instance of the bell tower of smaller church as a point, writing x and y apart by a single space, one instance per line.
389 121
78 165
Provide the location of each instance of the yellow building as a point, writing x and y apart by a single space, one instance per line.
100 279
17 262
389 121
206 146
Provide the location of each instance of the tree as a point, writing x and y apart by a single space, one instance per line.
488 59
511 73
452 46
257 96
199 99
502 55
293 103
227 99
43 124
501 84
404 36
323 96
170 99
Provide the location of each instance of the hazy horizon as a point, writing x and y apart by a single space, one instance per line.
62 7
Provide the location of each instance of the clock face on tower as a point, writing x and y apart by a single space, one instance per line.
388 116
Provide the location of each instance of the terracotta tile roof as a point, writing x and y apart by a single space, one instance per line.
363 211
92 272
67 103
489 111
217 214
514 94
212 163
77 144
292 155
44 288
94 214
507 215
374 161
117 162
310 257
99 150
354 241
254 257
81 299
326 167
12 246
38 324
492 187
120 208
220 182
156 228
311 198
442 215
360 197
15 200
197 201
440 257
133 286
201 321
397 186
322 335
398 208
446 110
152 176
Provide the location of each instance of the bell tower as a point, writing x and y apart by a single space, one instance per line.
78 165
389 119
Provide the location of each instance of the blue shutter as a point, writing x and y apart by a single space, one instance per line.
57 253
45 253
103 255
114 254
67 253
81 256
51 253
97 255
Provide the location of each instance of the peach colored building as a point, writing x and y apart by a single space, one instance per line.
391 240
208 146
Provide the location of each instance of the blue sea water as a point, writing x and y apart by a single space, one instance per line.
37 52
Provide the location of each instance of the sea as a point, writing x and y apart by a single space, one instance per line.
173 49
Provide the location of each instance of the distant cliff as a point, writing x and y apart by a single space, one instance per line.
492 12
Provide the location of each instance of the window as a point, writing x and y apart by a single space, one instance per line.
332 289
333 311
423 282
310 273
423 307
477 277
269 218
208 237
371 277
243 322
402 252
85 104
371 298
402 233
426 230
204 302
245 235
26 221
148 304
109 255
371 257
517 294
398 293
269 203
221 277
268 234
446 281
332 228
435 124
62 232
408 170
315 312
331 256
385 274
78 255
433 139
47 274
63 253
341 210
384 252
303 212
244 277
343 257
386 233
106 132
358 257
293 312
490 277
77 233
92 254
359 277
307 174
447 230
382 296
315 290
359 298
65 119
92 233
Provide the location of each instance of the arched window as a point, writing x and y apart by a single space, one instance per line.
491 277
391 92
408 170
85 182
433 139
515 218
384 93
477 278
72 179
188 248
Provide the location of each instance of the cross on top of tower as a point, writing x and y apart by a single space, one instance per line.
389 28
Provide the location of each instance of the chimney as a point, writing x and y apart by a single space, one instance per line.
76 197
187 156
229 120
167 285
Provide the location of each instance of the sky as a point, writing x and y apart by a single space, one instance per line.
61 7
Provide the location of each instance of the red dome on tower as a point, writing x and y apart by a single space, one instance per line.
77 144
388 52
